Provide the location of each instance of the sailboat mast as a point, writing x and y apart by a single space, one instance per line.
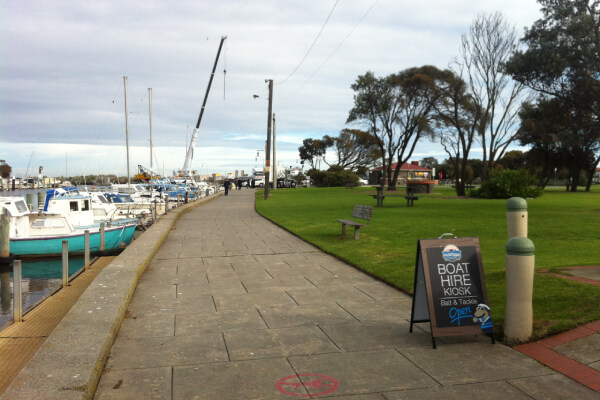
150 110
127 132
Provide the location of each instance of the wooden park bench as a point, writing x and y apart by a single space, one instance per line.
350 185
362 212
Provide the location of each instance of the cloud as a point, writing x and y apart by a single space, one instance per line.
63 65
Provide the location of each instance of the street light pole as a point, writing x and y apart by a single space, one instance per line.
268 153
274 153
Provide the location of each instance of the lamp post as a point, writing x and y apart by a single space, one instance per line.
274 154
268 146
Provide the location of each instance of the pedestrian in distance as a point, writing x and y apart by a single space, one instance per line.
227 185
239 184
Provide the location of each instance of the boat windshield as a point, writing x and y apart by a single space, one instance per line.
21 206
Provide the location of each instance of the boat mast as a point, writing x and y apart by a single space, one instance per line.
187 165
126 133
150 107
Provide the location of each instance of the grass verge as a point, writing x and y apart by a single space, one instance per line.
563 226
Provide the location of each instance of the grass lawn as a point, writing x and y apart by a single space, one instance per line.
565 228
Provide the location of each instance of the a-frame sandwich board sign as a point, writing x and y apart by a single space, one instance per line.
449 288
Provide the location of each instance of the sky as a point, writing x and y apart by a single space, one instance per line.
62 65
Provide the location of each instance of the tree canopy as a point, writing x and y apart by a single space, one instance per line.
396 109
562 63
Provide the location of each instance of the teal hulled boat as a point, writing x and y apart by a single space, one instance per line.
42 234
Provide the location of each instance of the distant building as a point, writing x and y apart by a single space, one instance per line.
408 171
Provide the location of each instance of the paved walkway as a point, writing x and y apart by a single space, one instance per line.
233 307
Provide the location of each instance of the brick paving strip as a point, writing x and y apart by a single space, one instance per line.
576 278
544 350
20 341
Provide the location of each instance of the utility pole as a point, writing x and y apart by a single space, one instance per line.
274 154
268 154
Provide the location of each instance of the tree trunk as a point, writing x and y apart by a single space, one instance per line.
460 187
590 176
574 180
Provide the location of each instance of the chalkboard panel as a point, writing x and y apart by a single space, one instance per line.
449 290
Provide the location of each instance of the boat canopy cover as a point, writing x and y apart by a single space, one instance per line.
52 193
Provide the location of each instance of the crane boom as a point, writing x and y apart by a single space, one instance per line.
187 165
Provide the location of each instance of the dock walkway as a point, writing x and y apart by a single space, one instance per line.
233 307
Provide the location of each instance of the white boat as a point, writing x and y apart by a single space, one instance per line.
41 234
82 208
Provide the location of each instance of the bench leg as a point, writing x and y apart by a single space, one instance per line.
343 229
356 232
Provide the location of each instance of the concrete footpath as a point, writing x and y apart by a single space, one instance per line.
234 307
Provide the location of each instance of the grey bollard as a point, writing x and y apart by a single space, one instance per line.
5 298
65 263
5 233
520 266
516 217
86 249
102 235
17 292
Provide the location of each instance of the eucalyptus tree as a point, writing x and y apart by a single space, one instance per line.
459 118
562 62
397 110
355 149
490 42
313 150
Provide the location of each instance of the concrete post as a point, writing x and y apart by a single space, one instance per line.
102 236
86 249
516 217
5 285
520 266
17 295
5 233
65 263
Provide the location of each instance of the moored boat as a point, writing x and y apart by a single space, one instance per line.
41 234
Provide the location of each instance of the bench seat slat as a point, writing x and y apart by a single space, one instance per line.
350 222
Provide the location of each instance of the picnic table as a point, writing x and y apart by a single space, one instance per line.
409 196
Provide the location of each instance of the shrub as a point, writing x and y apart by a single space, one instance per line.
509 183
335 176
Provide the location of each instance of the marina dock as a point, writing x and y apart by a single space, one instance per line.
216 302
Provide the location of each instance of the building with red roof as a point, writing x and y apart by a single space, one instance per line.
408 172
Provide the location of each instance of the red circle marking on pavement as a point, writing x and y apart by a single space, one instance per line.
321 382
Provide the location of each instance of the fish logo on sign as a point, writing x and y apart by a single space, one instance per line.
451 253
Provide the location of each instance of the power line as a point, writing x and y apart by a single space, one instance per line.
311 46
334 51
